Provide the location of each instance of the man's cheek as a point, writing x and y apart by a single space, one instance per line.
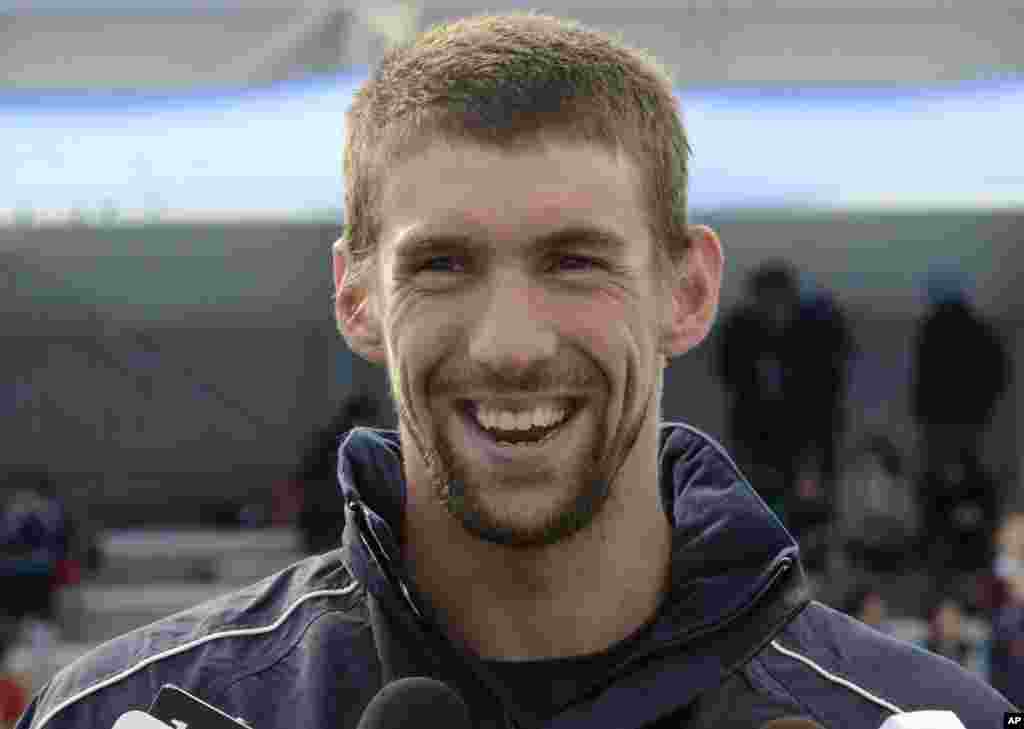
401 380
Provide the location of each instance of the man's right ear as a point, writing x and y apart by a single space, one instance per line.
356 314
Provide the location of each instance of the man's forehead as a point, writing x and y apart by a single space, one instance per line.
478 191
537 213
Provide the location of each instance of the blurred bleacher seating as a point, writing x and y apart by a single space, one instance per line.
150 574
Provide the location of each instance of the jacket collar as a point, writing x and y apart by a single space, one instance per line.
727 544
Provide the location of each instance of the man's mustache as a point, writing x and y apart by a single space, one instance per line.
536 380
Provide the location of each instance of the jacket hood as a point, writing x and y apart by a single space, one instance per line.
727 544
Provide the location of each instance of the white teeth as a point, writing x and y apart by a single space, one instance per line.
542 416
547 415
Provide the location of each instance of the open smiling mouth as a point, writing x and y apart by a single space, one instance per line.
524 429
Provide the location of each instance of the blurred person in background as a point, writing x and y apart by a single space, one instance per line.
877 514
961 370
960 506
946 631
322 511
15 688
758 362
34 538
994 586
810 517
785 350
1006 656
827 345
867 605
822 374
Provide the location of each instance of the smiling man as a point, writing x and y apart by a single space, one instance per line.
519 307
517 255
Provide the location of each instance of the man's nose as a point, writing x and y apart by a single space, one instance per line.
513 331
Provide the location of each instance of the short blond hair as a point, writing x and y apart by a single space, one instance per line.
503 80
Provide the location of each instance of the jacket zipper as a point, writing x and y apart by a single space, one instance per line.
378 554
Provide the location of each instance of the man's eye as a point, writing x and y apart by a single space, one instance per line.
457 264
442 264
579 263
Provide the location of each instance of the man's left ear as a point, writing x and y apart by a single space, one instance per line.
694 293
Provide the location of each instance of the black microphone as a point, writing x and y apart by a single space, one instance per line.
417 702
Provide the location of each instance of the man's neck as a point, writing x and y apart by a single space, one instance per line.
576 597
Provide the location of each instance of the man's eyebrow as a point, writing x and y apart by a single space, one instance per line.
588 236
420 244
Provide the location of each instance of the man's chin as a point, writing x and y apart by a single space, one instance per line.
489 524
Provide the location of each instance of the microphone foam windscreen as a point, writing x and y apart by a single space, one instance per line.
416 702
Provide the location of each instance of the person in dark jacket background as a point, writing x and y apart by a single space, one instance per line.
822 370
532 535
786 350
760 349
34 539
960 509
322 514
961 369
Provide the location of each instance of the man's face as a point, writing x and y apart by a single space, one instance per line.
517 291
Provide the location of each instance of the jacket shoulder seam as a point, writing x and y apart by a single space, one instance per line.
223 687
838 680
784 688
184 648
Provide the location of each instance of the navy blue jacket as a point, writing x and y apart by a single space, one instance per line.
737 641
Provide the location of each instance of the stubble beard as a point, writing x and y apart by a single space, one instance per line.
465 498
